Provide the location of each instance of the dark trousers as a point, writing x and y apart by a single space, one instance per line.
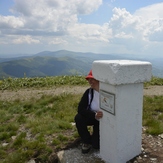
82 124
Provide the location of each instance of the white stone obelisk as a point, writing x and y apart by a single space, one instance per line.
121 100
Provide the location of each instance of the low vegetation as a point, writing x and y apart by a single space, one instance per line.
36 128
39 82
153 114
39 127
154 81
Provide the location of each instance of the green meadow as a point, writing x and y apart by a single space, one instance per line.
36 128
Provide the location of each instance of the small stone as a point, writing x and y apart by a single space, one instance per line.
144 129
159 143
150 136
73 124
60 155
144 152
161 136
153 159
139 158
13 137
31 161
4 144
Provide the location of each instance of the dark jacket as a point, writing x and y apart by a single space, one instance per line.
83 107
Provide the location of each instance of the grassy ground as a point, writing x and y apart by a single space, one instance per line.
153 114
38 127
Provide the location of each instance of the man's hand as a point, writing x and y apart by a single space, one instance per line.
99 114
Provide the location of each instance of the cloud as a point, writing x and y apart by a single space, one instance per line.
33 8
137 31
92 32
25 39
150 12
151 22
10 22
53 15
55 22
56 41
123 21
46 18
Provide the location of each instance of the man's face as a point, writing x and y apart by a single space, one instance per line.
93 82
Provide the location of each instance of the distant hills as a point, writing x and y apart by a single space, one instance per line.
62 62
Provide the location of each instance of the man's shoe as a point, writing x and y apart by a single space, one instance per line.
86 148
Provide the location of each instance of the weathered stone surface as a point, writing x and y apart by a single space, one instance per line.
118 72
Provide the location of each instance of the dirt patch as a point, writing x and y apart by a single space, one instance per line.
26 94
153 90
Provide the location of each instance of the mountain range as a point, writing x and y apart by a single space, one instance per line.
63 62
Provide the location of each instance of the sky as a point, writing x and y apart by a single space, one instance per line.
132 27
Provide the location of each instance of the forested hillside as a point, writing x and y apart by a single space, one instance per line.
62 63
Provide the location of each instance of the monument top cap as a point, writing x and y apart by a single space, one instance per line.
118 72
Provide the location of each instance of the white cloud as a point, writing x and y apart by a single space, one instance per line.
136 32
53 15
54 23
86 32
150 12
10 22
151 22
51 18
57 41
25 39
123 21
85 6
